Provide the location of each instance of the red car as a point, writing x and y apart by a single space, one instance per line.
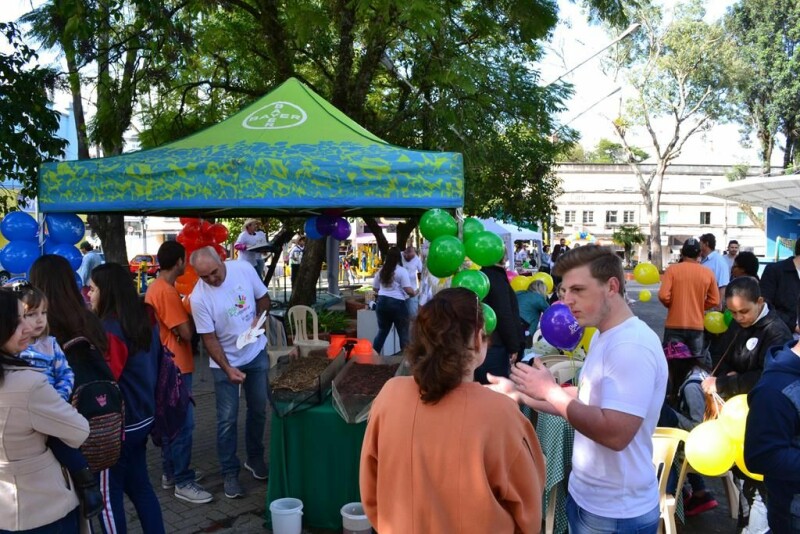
149 259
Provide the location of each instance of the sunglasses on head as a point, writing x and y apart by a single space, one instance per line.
19 286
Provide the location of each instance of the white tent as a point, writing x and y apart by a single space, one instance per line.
510 232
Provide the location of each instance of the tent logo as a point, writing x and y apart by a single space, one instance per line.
275 116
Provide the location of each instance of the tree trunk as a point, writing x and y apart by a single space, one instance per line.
404 231
283 236
377 231
757 221
306 290
111 229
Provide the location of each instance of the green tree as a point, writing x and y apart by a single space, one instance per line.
29 126
627 236
667 66
608 151
767 34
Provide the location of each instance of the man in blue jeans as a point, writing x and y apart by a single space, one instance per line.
227 301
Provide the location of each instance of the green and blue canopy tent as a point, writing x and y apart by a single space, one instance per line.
290 153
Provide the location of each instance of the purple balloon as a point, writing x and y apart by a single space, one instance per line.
560 328
326 225
342 230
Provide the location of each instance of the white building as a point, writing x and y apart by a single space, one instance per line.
599 198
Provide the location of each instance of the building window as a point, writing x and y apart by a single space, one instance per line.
569 217
588 217
627 216
611 216
705 217
705 184
741 218
662 217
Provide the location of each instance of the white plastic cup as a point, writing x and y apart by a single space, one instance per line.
354 520
287 516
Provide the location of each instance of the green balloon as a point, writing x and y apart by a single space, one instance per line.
485 248
436 223
489 318
471 227
475 281
727 317
445 256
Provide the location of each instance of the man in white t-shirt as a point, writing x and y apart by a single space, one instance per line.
227 301
413 265
614 409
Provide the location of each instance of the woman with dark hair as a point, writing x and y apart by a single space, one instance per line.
134 349
745 264
36 495
394 287
441 452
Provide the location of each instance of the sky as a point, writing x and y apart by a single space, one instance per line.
573 41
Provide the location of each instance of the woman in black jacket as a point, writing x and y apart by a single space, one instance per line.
755 328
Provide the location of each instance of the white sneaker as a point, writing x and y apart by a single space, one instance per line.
193 493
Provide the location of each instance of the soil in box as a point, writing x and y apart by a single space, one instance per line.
300 383
366 379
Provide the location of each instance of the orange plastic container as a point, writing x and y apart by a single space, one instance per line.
362 351
337 344
359 349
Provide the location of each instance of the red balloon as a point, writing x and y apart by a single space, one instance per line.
220 251
218 233
182 239
204 227
189 220
192 231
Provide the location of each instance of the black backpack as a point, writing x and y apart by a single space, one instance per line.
98 398
172 400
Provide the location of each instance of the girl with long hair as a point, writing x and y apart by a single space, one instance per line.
394 287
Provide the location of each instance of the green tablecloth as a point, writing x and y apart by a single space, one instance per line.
314 457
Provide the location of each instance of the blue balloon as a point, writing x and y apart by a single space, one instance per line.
326 225
65 228
18 256
70 252
560 328
311 228
19 226
78 280
48 246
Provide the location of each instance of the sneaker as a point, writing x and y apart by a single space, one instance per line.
258 468
698 505
193 493
169 482
233 488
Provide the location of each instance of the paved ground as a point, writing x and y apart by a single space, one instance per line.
246 515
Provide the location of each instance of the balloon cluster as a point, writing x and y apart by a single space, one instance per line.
646 274
447 253
521 283
717 322
195 234
582 236
64 230
715 446
327 225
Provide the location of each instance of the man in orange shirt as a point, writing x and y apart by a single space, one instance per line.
687 290
176 331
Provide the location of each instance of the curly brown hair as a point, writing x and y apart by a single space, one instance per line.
443 342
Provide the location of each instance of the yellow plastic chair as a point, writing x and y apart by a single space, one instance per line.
731 491
564 371
298 318
665 445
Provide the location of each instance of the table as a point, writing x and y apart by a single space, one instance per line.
556 437
314 456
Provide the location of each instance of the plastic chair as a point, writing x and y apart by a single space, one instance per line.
665 445
549 359
731 491
276 340
298 317
564 371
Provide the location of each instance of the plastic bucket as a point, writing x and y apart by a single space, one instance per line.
362 351
354 520
287 516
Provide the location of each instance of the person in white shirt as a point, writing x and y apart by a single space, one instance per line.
228 300
521 254
296 257
393 286
249 238
732 252
614 409
413 265
713 260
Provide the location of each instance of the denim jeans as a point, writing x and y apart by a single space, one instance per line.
66 525
255 394
693 339
129 476
497 362
391 311
412 303
177 455
583 522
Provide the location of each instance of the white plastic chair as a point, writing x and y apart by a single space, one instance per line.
276 340
666 442
298 317
564 371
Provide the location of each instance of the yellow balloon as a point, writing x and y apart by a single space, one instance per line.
474 267
646 274
709 450
734 417
521 283
546 278
645 295
714 322
741 465
586 340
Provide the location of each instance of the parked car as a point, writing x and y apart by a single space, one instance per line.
149 259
